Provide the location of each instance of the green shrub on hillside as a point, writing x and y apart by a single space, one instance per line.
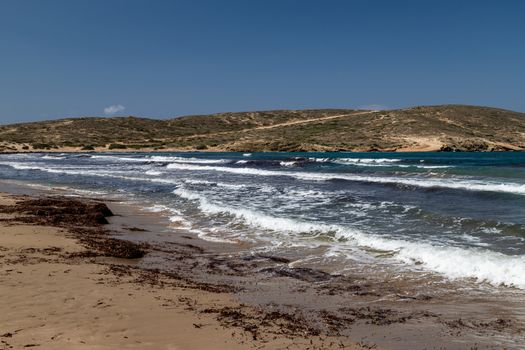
42 146
117 146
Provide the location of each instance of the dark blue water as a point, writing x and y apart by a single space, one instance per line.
459 215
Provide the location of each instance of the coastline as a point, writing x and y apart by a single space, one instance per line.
57 292
205 288
406 149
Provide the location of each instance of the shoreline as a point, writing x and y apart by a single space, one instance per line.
414 150
58 290
301 300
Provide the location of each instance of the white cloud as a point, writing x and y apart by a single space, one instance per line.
373 107
113 109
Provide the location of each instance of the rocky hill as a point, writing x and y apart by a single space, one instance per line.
427 128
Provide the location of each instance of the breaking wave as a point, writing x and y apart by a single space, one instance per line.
453 262
161 159
464 184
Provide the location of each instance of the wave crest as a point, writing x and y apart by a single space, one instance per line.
453 262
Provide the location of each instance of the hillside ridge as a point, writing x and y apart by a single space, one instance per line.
422 128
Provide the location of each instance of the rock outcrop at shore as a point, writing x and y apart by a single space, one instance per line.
474 145
426 128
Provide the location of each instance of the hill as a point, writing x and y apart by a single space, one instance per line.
426 128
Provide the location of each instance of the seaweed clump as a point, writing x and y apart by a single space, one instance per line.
83 218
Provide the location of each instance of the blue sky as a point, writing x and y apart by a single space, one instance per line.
168 58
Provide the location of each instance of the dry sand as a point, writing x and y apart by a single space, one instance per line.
51 301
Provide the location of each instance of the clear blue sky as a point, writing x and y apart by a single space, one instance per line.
168 58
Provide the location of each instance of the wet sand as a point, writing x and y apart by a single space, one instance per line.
58 290
75 283
416 312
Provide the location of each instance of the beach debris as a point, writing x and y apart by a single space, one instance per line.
60 211
82 217
300 273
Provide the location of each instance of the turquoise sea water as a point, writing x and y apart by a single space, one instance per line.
457 215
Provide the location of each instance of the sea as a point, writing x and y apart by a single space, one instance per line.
456 217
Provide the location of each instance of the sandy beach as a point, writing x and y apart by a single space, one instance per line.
76 274
57 293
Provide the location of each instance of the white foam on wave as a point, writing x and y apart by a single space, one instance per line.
491 230
355 160
179 221
376 162
453 262
300 193
240 171
32 166
154 173
385 162
212 183
249 216
288 163
365 160
161 159
320 160
199 182
211 237
52 157
454 183
187 160
116 158
176 217
84 172
424 166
